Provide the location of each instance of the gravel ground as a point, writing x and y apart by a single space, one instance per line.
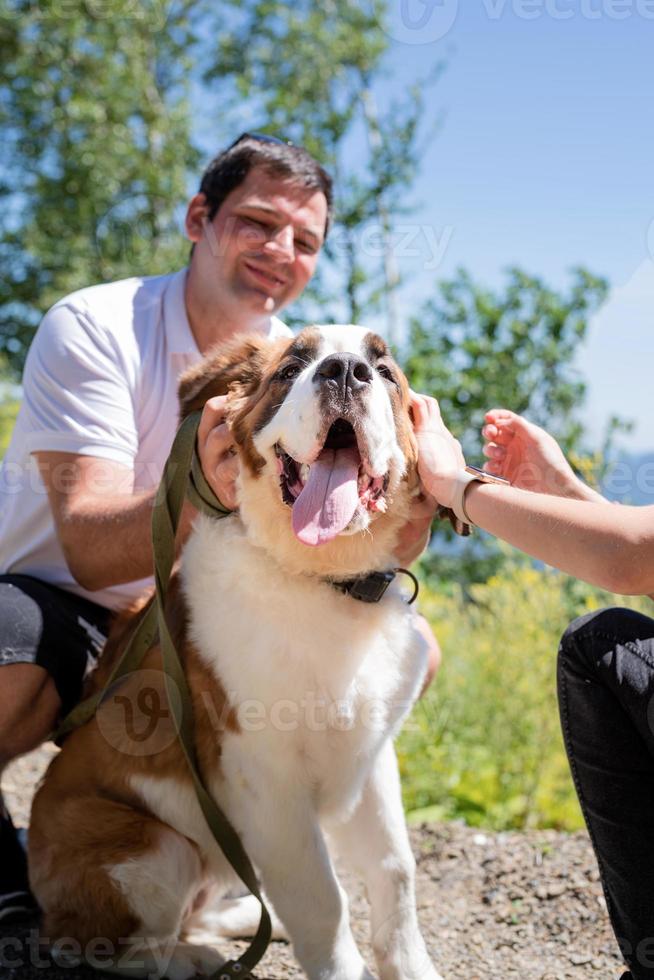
492 906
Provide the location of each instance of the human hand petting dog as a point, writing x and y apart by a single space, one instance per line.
440 457
217 452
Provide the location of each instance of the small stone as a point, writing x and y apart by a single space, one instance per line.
580 959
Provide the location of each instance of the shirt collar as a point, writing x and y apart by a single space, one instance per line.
178 330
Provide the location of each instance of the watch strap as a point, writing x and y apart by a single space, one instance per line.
462 482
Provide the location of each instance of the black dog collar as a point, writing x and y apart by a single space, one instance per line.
371 588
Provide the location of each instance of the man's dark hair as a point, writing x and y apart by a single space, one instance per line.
231 167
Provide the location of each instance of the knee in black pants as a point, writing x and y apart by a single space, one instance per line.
588 638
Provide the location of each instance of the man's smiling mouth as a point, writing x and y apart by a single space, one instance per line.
266 277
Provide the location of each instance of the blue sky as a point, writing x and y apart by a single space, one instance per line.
545 159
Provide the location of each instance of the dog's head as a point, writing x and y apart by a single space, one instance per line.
324 435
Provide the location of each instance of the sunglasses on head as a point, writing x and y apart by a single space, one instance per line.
260 138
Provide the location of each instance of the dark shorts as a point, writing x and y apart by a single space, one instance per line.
54 629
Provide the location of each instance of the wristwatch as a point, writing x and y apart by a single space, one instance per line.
464 478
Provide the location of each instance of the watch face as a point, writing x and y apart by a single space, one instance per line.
486 477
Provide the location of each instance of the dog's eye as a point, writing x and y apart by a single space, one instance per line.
385 372
289 372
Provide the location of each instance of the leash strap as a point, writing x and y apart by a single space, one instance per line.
200 493
182 476
203 499
140 642
165 518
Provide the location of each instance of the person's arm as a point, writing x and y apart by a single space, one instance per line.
612 547
609 546
85 438
103 525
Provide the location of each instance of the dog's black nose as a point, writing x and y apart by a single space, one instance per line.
343 372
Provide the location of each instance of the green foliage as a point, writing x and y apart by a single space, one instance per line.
484 744
475 349
95 115
97 149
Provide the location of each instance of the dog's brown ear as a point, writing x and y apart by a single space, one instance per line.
237 366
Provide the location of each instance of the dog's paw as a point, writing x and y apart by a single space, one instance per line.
188 961
420 969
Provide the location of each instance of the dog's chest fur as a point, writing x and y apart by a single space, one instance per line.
319 679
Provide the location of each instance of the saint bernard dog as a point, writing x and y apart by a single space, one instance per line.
298 691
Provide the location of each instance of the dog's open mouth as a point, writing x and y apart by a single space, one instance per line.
326 495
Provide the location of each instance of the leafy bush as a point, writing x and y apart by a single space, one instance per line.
484 744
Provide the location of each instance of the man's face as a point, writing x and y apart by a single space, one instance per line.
260 249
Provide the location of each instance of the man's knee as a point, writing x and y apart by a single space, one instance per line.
29 708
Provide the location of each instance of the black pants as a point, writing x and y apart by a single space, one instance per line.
606 699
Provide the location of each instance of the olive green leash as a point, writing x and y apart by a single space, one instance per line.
182 477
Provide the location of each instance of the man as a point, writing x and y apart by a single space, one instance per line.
96 425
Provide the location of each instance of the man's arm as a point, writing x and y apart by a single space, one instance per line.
103 524
415 534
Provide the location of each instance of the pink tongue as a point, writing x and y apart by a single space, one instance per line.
328 500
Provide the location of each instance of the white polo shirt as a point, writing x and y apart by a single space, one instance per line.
100 380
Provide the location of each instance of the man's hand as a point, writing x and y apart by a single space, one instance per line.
439 454
217 452
414 535
529 457
439 459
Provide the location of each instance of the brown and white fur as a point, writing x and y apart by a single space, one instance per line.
298 690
